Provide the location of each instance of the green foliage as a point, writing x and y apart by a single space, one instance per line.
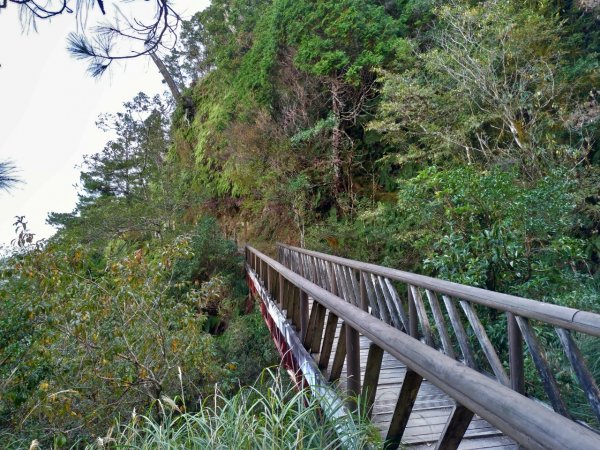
209 254
478 228
127 189
340 38
98 344
247 348
493 89
272 414
493 232
88 336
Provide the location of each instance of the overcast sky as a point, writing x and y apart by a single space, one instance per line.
48 109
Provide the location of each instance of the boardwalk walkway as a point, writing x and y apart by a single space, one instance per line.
415 353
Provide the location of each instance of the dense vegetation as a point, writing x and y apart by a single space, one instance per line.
458 139
271 414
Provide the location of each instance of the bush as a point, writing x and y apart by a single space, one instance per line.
247 348
208 254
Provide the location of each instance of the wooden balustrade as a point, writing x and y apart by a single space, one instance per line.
366 301
465 339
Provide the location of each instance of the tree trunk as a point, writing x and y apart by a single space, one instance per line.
167 76
187 102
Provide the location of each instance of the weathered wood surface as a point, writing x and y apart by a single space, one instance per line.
564 317
447 382
451 330
431 409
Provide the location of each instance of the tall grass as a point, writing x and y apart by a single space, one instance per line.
269 415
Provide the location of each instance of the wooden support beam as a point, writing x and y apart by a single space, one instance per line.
413 321
541 363
324 275
440 323
296 294
353 287
352 365
315 343
585 377
330 329
315 271
390 302
332 279
281 293
371 285
373 368
397 302
515 355
404 405
422 315
371 296
455 428
303 315
459 331
486 344
311 325
340 355
286 298
270 281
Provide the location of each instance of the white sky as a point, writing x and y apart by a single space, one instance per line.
48 109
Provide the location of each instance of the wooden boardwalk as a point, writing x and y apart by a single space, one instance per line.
383 337
430 412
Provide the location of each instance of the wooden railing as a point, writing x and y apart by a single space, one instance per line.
528 422
377 289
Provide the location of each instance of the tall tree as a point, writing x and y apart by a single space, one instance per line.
124 187
127 162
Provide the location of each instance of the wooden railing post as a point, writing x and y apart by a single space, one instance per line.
333 286
340 354
364 299
303 315
404 405
319 323
455 428
297 302
352 364
371 379
353 354
413 324
515 355
328 337
280 296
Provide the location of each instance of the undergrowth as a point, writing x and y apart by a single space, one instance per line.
272 414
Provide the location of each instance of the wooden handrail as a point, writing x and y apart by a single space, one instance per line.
385 303
562 316
529 423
